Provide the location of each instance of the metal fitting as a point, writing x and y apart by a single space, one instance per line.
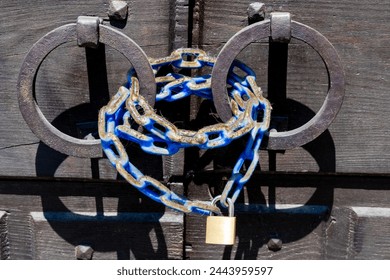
274 244
87 29
281 27
118 10
256 12
84 252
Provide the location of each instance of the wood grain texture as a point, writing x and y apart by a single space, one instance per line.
340 219
4 245
180 23
339 234
347 233
257 222
370 240
360 133
62 82
111 235
322 217
358 233
366 64
20 232
253 233
47 219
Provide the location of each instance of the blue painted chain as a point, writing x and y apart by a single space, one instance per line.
128 111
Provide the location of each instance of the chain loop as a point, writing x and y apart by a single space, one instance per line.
128 111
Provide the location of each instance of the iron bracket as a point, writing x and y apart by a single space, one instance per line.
87 29
280 27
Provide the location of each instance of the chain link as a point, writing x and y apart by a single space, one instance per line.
128 111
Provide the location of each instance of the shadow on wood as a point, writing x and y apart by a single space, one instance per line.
258 215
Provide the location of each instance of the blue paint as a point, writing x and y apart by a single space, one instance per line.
152 140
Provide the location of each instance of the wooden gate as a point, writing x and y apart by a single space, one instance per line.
328 199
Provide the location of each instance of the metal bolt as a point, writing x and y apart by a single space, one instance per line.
274 244
83 252
256 12
118 9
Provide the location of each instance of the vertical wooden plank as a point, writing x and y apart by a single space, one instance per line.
4 244
198 23
21 243
358 233
365 111
180 23
339 232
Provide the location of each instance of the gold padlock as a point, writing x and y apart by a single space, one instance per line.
221 229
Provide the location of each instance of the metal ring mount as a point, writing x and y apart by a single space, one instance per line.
327 113
35 119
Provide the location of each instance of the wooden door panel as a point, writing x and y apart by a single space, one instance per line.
344 233
4 246
45 219
360 132
326 200
254 232
371 233
56 235
62 85
110 235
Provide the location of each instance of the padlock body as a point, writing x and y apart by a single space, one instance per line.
220 230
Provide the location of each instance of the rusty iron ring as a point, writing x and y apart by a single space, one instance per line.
33 116
332 104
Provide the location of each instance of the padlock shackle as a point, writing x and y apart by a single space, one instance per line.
229 202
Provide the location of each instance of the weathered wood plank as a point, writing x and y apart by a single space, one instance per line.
47 219
111 235
180 22
371 233
253 234
347 233
20 236
360 134
339 234
311 224
4 244
358 233
347 34
62 84
328 222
